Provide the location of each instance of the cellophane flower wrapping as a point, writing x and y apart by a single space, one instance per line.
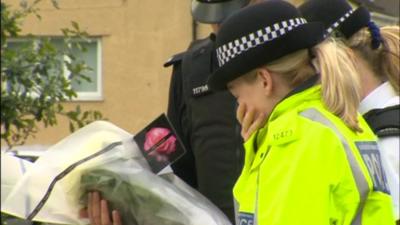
105 158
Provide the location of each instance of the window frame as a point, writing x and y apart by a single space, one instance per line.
98 94
81 96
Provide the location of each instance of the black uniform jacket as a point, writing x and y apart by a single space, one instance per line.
207 123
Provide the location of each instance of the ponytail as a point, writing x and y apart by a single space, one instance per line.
383 59
339 80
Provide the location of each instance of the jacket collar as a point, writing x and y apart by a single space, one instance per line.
378 98
306 91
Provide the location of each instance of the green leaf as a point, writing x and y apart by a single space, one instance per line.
71 127
55 4
75 25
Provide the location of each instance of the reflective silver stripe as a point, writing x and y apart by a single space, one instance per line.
236 207
359 177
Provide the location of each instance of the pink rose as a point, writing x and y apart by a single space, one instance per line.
155 135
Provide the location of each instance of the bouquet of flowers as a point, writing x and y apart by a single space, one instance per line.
108 159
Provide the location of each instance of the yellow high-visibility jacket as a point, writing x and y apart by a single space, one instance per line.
306 167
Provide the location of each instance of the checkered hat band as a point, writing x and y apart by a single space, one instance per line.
228 51
339 21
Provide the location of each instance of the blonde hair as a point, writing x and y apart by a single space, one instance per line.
339 84
384 61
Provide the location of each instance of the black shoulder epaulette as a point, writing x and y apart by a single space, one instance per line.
174 59
384 122
194 47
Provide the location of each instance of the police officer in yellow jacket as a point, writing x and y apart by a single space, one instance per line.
376 52
315 161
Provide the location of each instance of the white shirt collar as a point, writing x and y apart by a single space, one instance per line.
378 98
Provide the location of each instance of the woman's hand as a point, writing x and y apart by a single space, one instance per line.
98 213
250 119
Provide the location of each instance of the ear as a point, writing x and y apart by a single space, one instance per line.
266 80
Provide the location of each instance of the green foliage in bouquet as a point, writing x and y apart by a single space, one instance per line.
136 204
4 218
7 219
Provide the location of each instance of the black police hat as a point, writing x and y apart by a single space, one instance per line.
336 15
260 34
215 11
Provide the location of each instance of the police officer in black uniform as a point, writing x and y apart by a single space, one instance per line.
206 120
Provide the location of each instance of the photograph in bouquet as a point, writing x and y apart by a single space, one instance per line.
159 144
